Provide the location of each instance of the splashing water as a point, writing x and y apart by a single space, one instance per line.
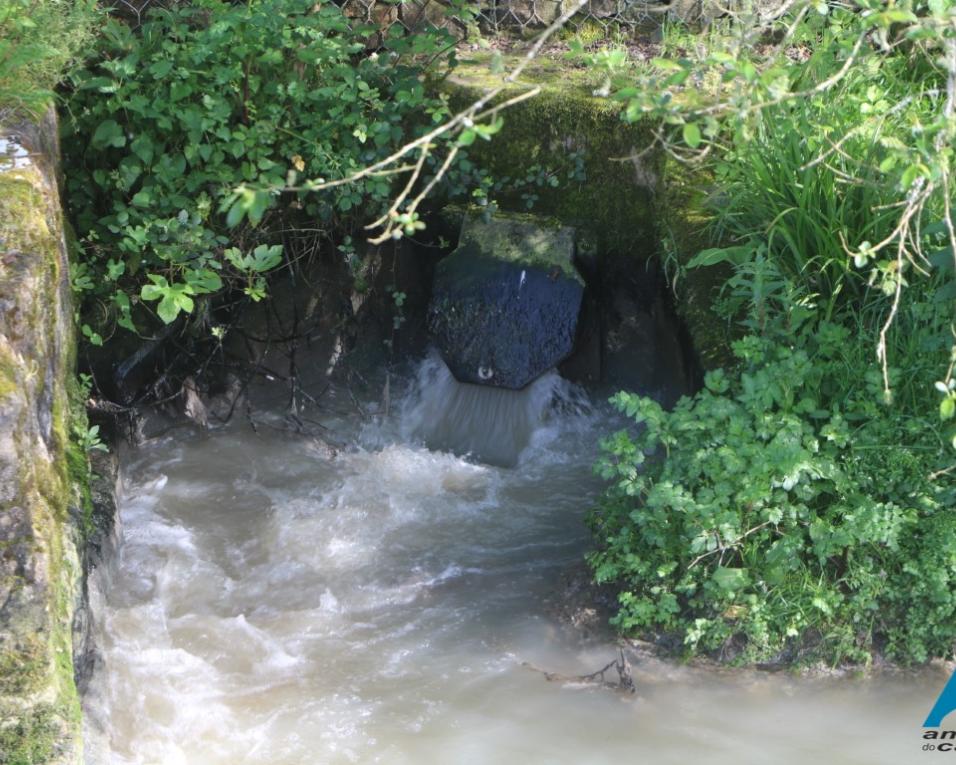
272 605
493 425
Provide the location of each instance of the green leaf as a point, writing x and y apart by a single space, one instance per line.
260 202
943 260
156 290
142 147
266 257
896 16
692 135
115 269
107 134
715 255
667 64
168 308
91 335
161 68
731 579
947 407
910 174
236 213
747 70
204 281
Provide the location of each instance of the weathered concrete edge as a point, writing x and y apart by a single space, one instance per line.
682 211
44 494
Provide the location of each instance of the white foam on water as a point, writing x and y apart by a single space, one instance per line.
272 605
493 425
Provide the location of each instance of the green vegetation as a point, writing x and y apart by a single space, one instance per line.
33 738
783 512
191 136
198 140
799 508
38 40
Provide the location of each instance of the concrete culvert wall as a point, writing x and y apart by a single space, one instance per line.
42 508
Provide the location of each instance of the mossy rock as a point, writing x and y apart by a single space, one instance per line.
505 303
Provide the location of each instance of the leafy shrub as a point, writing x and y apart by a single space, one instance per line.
176 122
791 510
783 512
38 39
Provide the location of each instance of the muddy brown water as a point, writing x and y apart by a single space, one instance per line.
269 604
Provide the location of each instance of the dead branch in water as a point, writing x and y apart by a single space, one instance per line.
624 684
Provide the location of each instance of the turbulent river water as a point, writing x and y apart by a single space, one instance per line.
272 604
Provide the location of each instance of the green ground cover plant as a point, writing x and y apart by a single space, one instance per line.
784 512
186 135
801 506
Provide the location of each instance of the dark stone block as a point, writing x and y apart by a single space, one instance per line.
505 304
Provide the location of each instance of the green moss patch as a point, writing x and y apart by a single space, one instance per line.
39 704
31 737
522 239
602 187
684 222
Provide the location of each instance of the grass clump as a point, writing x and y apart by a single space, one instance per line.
31 738
39 39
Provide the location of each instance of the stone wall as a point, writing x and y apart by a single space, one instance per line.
41 509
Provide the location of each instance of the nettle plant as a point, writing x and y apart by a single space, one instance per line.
782 513
175 122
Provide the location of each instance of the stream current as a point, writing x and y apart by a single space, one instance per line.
272 604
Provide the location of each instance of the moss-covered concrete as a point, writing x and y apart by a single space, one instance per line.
39 561
522 239
629 202
605 185
684 219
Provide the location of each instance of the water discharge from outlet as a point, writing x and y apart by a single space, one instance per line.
269 604
493 425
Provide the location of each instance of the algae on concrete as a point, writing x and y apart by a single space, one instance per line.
39 560
522 239
606 182
685 227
